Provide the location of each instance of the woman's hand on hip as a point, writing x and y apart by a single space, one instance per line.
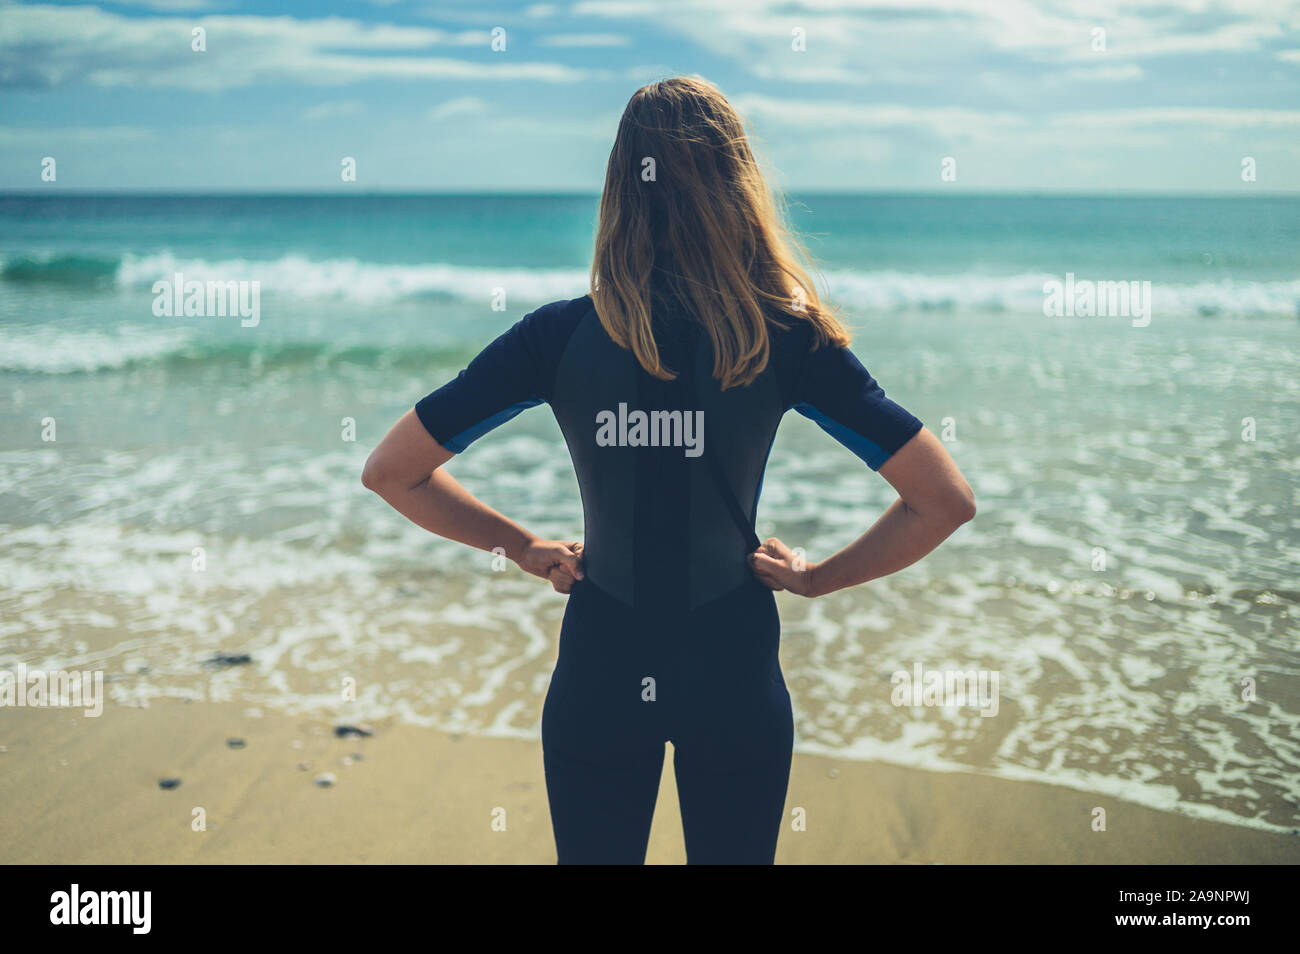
558 561
779 568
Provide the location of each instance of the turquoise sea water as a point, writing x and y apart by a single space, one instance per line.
1081 436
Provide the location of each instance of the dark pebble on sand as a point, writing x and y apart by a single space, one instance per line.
236 743
224 660
349 731
169 783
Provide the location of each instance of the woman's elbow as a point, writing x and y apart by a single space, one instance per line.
375 475
950 508
961 506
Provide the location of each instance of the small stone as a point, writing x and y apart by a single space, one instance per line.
357 757
226 660
353 731
833 773
325 779
169 783
304 766
236 743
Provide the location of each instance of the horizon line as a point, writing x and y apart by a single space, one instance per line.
46 191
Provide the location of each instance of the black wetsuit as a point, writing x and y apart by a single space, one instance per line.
670 637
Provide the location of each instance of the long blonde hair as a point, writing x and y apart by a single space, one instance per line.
684 194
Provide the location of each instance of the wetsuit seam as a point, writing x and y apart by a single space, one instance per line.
568 343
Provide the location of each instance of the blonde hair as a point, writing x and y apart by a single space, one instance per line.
708 221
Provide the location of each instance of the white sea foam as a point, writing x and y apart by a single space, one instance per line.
51 350
886 291
903 291
353 280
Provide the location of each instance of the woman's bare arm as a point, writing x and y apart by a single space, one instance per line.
933 501
406 470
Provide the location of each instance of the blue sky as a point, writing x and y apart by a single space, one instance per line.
1018 92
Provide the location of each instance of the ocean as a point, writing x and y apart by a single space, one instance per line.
1131 574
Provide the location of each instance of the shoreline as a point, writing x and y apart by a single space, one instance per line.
81 791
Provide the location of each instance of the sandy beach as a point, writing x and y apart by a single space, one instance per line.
79 790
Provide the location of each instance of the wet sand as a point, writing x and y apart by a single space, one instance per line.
79 790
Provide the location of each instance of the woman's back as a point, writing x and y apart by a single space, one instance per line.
659 529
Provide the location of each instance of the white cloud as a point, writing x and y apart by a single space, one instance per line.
47 46
1197 117
56 137
584 39
903 41
945 121
461 106
334 110
951 123
1105 73
171 6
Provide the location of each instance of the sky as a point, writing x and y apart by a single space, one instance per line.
1072 96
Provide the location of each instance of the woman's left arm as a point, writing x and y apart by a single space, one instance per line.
406 470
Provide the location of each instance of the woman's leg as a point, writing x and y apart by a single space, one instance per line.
601 811
602 741
732 777
733 732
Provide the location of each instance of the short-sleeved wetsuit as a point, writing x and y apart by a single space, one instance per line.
669 637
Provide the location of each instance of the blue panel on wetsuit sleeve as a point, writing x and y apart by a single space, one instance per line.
466 437
513 373
869 451
838 393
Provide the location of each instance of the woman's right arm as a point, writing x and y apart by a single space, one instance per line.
933 501
833 389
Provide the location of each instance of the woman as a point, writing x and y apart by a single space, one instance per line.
668 382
